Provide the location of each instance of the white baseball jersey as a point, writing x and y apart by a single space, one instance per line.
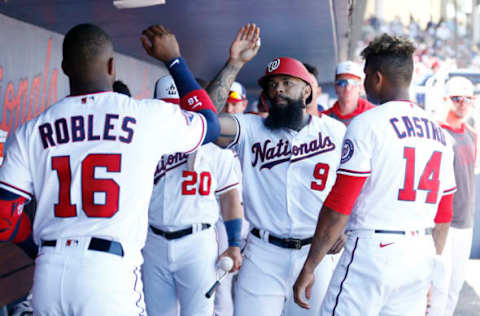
182 196
287 174
89 160
397 136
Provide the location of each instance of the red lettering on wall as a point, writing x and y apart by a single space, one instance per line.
52 90
16 109
34 97
12 104
45 74
145 91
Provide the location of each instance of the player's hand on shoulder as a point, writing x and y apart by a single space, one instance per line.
303 284
235 254
246 44
160 43
338 245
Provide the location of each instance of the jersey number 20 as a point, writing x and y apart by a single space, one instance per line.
189 185
90 185
429 180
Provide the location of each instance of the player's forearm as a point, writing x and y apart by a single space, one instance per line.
219 88
228 130
231 205
232 213
439 234
182 76
330 226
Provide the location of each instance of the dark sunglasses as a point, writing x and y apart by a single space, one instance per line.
345 82
458 99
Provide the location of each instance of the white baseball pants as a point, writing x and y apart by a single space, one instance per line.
381 274
177 273
455 256
72 280
265 281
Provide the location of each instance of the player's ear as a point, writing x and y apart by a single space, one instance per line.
307 91
111 67
379 79
245 104
65 68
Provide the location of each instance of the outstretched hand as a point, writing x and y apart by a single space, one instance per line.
303 285
160 43
246 44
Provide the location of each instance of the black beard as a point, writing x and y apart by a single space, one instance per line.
290 116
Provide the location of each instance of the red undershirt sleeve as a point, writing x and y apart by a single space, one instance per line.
344 193
445 209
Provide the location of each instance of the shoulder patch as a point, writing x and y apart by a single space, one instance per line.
188 116
347 150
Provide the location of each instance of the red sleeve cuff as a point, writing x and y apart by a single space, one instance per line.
445 209
344 193
197 100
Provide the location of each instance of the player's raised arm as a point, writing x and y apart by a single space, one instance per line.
162 45
244 47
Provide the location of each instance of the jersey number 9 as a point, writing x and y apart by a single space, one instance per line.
320 173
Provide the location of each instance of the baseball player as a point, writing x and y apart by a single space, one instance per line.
288 161
460 98
348 85
181 247
236 103
396 180
89 161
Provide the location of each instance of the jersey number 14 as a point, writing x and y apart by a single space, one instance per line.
429 180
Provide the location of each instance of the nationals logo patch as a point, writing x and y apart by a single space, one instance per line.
273 64
347 150
188 116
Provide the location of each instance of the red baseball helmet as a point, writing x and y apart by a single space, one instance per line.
290 67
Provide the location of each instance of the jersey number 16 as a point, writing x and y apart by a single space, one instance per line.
89 185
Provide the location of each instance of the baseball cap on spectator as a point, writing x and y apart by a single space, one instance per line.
166 90
459 86
237 93
349 68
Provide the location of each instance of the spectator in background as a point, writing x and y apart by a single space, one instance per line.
237 99
120 87
445 292
348 85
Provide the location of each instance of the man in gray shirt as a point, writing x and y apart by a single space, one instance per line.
459 98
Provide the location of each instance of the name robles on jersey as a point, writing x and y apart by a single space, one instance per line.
73 174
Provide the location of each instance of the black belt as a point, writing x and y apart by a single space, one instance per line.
178 233
290 243
98 244
428 231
